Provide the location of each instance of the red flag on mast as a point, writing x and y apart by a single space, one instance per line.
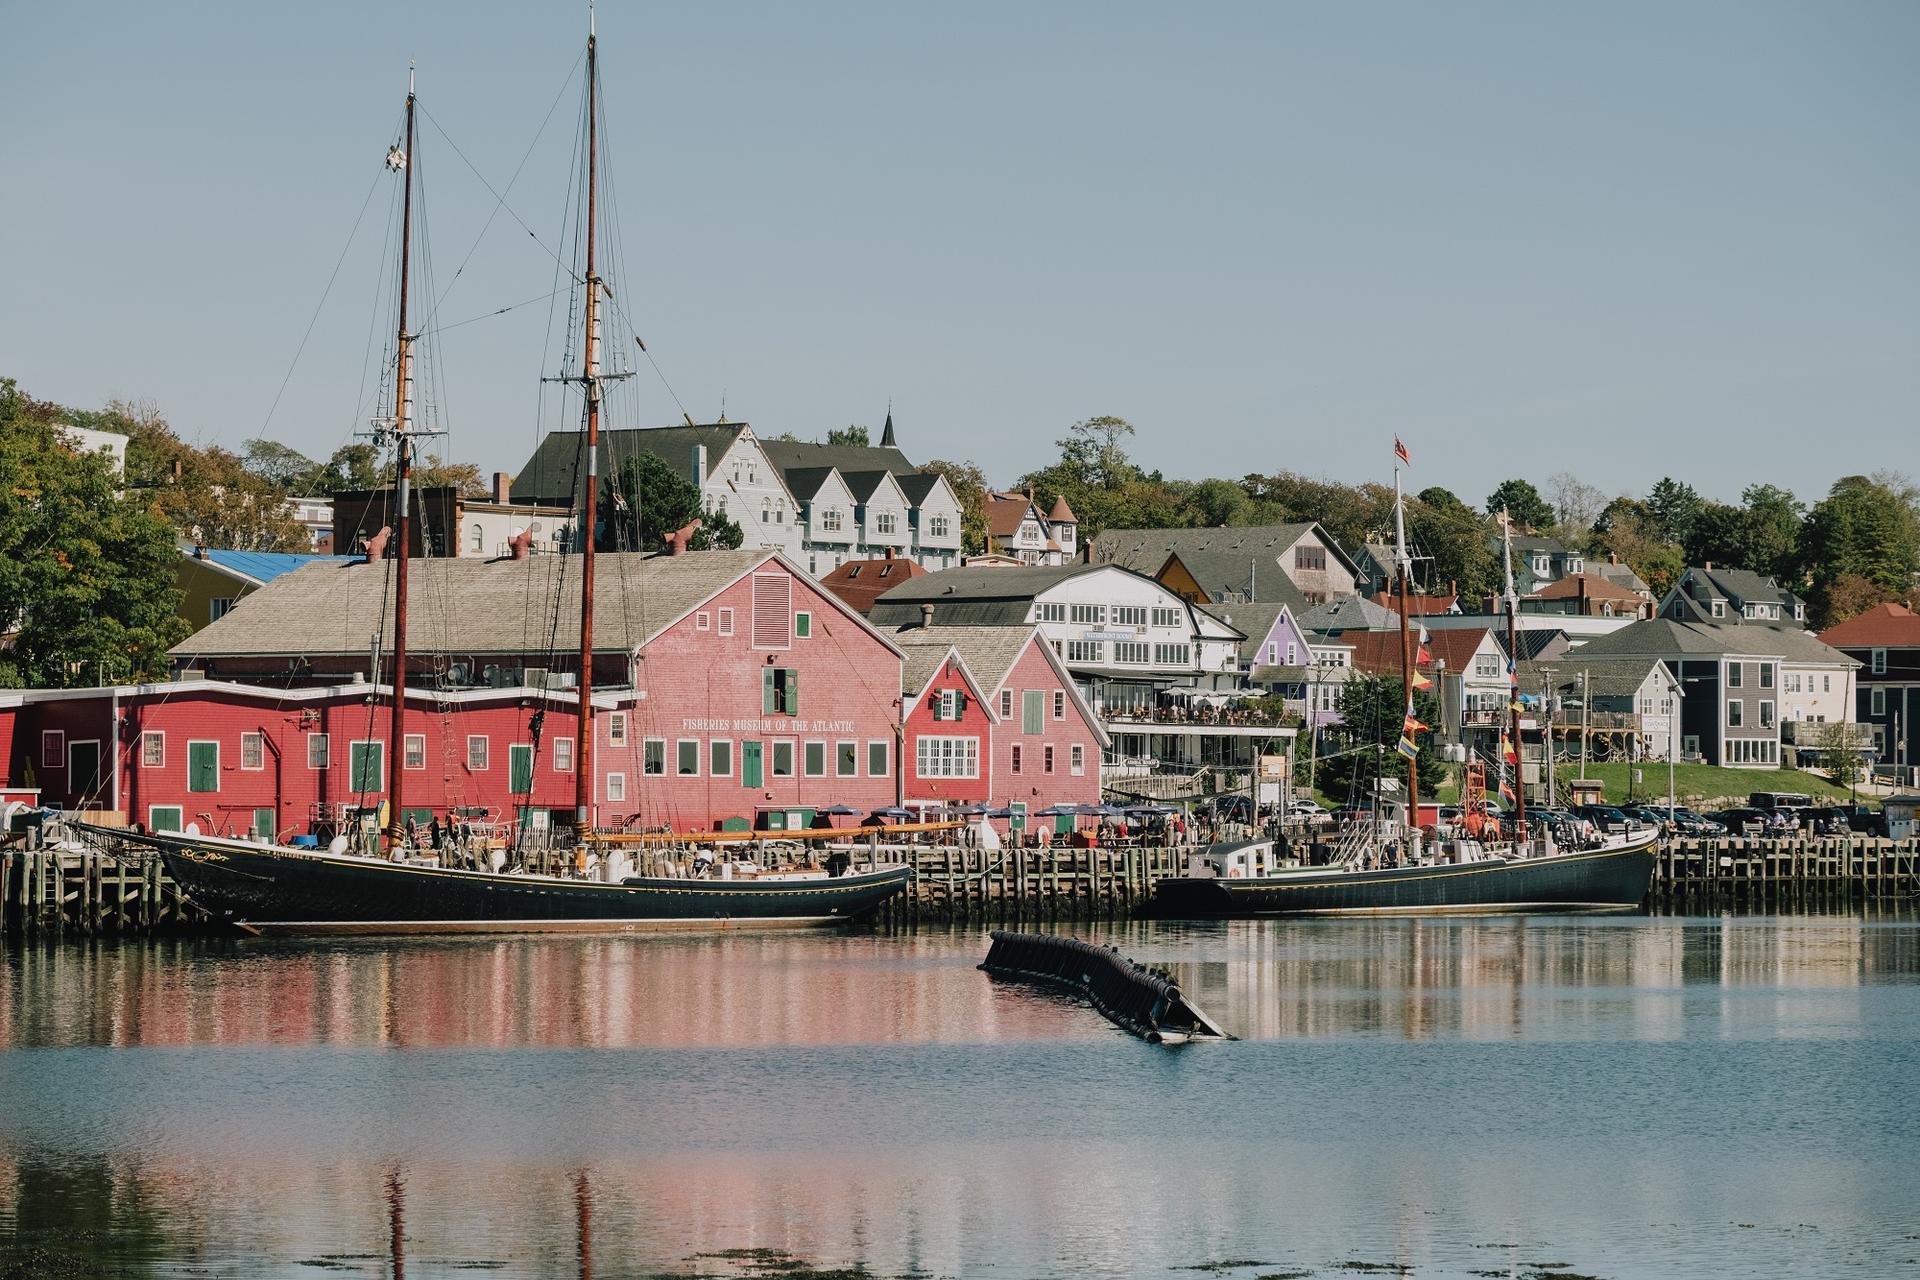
1400 451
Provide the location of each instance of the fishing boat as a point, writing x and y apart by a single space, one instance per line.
1386 863
382 874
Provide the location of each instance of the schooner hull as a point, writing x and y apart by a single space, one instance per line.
1613 879
275 890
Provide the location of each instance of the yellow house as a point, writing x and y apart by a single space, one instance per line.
211 581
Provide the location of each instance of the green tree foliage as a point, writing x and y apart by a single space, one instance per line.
646 499
86 573
1672 506
1457 542
1372 710
1102 484
848 435
1864 528
208 495
1523 502
1772 542
969 485
1840 753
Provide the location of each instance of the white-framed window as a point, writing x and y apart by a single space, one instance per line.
1766 715
780 758
947 706
1719 608
720 758
1077 759
1046 758
1540 564
883 522
318 756
563 755
726 622
846 758
947 757
366 764
1129 615
1877 702
1879 661
617 728
253 752
413 754
703 621
1059 704
1733 675
53 748
1172 655
1047 612
476 539
219 607
938 527
1086 651
1016 758
1092 615
1735 713
879 750
802 625
686 758
153 749
1165 616
479 749
1132 652
830 520
616 787
813 759
653 757
1766 675
1006 703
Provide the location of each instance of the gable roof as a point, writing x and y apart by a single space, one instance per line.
923 662
258 567
1147 549
554 473
1419 604
860 582
786 455
1672 638
989 652
1006 512
1378 652
977 595
1255 620
1607 677
918 484
806 482
1536 644
466 606
1230 574
1885 626
1349 613
1590 586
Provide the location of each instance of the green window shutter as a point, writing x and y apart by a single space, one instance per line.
1031 709
203 766
520 769
803 625
767 704
960 704
792 706
750 774
934 698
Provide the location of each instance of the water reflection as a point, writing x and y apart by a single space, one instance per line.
1502 977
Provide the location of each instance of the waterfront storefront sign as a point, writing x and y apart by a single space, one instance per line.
772 724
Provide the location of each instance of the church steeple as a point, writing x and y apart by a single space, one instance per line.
886 434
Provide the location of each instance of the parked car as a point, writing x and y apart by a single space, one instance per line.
1689 823
1827 820
1608 818
1773 800
1233 808
1867 822
1645 815
1308 811
1741 821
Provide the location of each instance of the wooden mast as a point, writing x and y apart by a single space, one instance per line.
403 458
583 751
1513 683
1406 655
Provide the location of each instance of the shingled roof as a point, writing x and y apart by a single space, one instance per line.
1147 549
859 583
464 606
554 473
989 652
1234 575
787 455
1885 626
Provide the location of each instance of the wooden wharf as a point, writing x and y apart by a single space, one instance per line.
49 891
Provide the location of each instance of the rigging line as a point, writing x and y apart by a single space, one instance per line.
488 315
501 202
489 186
319 306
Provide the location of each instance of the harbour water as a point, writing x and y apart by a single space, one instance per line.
1618 1097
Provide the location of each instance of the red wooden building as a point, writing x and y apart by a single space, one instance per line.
729 689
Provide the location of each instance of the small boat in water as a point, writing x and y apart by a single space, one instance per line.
265 888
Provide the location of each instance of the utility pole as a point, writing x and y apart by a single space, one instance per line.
1586 718
1546 736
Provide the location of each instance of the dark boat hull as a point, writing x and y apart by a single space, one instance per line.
274 890
1599 880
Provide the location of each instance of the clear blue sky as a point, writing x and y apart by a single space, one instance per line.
1621 239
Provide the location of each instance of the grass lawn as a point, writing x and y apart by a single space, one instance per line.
1701 786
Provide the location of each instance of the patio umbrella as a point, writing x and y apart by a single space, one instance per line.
1100 810
1067 811
894 812
839 811
998 813
1150 810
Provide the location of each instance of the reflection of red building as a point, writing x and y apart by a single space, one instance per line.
727 687
1038 743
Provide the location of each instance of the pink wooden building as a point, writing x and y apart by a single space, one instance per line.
729 690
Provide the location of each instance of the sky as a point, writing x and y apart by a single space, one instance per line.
1620 240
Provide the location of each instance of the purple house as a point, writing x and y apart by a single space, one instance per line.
1280 656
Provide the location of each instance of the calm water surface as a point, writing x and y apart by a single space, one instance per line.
1628 1097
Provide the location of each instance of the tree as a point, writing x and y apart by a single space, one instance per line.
1717 535
1577 504
646 499
1102 485
86 573
432 472
1523 502
848 435
281 466
1840 753
1864 528
208 495
1372 711
1772 542
969 485
352 466
1457 542
1672 505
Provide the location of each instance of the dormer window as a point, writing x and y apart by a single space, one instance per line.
1799 613
1719 608
1540 564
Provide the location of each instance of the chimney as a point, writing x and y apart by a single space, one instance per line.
889 552
678 539
502 486
520 545
699 476
926 617
377 544
1613 557
1709 566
